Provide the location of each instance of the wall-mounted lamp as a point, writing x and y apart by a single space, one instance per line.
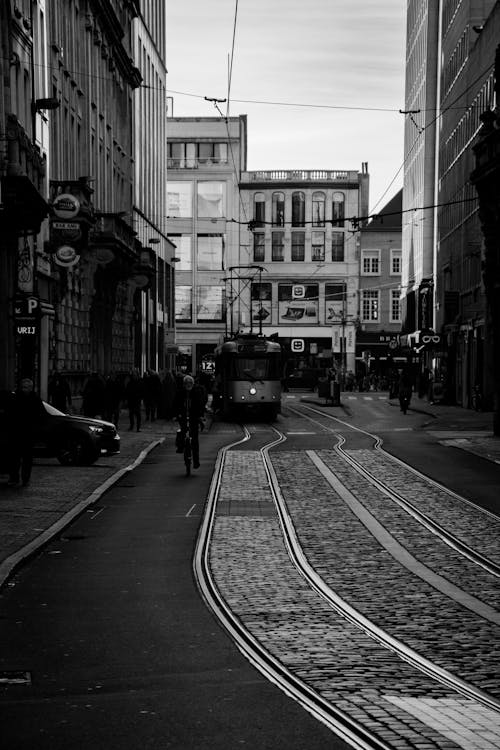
175 260
154 241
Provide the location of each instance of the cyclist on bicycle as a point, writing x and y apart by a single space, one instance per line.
190 403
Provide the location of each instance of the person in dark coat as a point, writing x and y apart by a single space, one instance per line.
25 415
133 397
151 394
404 390
93 396
113 393
190 403
59 393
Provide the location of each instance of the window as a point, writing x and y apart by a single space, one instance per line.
179 199
209 303
338 209
395 262
210 252
338 239
278 209
298 304
261 301
259 247
395 306
183 304
211 200
369 305
318 209
259 209
335 299
191 155
278 247
370 262
298 209
182 244
318 247
298 245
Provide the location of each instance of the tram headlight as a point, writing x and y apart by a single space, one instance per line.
253 390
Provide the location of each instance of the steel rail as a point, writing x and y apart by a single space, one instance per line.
299 559
337 721
435 528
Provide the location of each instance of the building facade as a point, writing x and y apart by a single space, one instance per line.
75 118
469 37
449 83
299 237
23 186
206 156
156 338
378 338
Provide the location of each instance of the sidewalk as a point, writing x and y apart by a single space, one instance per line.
452 425
30 516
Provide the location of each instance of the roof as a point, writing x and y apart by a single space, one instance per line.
394 219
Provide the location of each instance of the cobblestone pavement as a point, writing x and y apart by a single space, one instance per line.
255 575
342 663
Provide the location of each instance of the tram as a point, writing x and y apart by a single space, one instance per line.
248 370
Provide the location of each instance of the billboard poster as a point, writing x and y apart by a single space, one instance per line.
298 304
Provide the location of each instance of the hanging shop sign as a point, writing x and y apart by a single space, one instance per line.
66 206
66 256
67 230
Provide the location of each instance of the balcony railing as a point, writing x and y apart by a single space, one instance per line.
303 175
193 163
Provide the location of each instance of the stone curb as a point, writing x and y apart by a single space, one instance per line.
9 565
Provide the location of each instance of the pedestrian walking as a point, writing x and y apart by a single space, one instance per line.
404 390
25 415
113 393
190 406
133 397
59 393
93 396
151 384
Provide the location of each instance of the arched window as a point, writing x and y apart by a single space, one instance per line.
278 209
318 209
298 209
259 209
338 209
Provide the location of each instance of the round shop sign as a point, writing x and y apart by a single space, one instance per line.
66 206
66 256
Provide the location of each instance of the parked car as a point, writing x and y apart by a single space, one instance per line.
73 440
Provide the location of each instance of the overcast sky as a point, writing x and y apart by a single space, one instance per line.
327 53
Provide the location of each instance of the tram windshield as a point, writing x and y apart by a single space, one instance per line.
252 368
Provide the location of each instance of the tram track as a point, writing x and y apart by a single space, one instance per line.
340 722
449 538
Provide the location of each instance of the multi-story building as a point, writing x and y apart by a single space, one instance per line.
296 227
205 158
449 83
469 36
422 52
24 104
157 323
377 345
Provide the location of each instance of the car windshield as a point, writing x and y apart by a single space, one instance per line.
52 410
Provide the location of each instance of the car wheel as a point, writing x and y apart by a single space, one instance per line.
76 451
